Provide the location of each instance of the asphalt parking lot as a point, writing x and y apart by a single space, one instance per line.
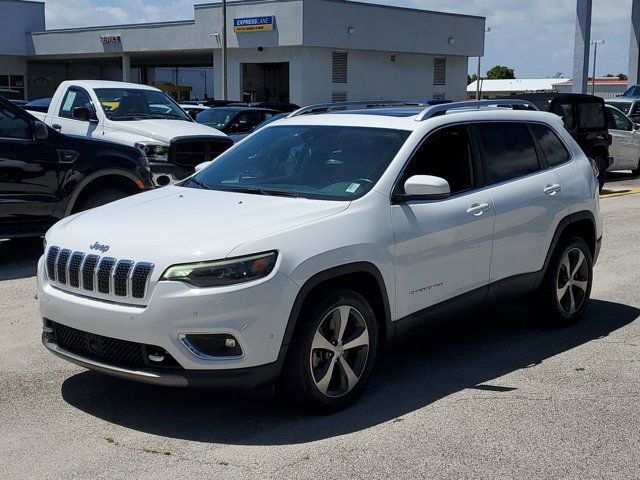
492 396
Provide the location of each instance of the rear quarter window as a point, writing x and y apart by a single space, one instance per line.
554 150
592 116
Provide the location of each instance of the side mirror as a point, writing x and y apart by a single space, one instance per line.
202 166
193 114
425 187
83 113
40 131
636 127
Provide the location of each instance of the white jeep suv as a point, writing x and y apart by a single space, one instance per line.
298 254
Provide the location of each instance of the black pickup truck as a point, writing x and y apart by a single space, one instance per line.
45 175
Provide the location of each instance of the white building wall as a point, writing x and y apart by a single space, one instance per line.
373 76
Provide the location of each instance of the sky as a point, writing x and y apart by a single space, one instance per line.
534 37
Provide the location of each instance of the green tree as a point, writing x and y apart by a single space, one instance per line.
500 72
471 78
622 76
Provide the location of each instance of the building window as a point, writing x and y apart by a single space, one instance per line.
339 67
338 97
439 71
12 86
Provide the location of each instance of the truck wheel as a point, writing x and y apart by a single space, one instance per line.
332 353
636 172
566 288
101 197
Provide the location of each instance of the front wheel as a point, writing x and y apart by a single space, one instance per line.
101 197
566 288
332 354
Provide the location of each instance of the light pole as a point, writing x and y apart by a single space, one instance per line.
487 30
595 43
216 42
224 50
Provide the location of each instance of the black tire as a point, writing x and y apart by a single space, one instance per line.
636 172
298 385
101 197
557 312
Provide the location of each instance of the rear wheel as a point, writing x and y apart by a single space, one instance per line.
566 289
101 197
332 354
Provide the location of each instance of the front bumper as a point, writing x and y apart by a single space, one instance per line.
255 313
238 379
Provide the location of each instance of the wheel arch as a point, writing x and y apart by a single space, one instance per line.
113 177
581 224
362 277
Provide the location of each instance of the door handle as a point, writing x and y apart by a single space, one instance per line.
55 126
552 189
478 209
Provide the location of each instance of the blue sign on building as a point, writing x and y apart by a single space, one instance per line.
253 24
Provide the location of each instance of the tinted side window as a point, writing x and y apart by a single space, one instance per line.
618 121
445 154
564 111
553 148
74 98
12 126
591 115
509 151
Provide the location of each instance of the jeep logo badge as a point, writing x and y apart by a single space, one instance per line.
97 246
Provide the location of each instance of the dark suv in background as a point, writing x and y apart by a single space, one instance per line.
45 175
585 118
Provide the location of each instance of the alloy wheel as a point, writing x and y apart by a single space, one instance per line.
573 281
339 351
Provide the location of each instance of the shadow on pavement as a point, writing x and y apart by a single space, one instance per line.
19 258
464 354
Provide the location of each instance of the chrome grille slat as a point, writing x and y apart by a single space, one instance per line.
121 278
140 279
52 256
74 269
61 265
105 269
103 275
89 272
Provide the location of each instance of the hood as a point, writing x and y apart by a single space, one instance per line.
179 225
166 130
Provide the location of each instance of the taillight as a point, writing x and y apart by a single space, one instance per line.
594 168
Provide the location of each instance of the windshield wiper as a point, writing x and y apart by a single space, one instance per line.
261 191
200 184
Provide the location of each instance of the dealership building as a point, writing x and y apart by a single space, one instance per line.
303 51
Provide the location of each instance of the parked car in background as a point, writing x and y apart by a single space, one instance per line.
38 105
283 107
235 120
625 145
45 176
630 106
312 244
139 116
585 118
632 91
236 137
193 109
19 103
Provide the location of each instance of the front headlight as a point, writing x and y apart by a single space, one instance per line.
223 272
155 152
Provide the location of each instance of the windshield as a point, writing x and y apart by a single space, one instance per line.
622 106
333 163
219 118
632 92
137 104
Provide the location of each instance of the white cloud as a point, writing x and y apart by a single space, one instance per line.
534 37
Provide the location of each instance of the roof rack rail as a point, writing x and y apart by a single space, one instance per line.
328 107
436 110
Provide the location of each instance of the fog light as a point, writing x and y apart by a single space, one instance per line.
211 346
